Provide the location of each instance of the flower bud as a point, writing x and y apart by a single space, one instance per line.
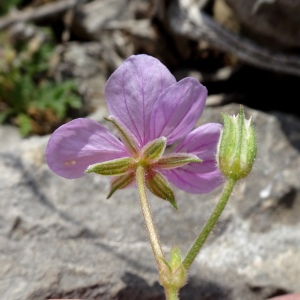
237 146
175 274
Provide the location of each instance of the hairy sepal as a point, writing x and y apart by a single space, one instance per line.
160 187
113 167
175 160
125 135
154 149
121 182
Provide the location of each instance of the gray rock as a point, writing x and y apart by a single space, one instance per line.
95 17
84 63
273 23
62 239
90 64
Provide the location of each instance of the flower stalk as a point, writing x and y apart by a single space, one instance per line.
153 236
200 240
171 293
236 153
172 275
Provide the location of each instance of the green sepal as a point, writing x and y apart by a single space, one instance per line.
126 137
175 160
179 277
167 264
154 149
175 258
113 167
120 182
160 187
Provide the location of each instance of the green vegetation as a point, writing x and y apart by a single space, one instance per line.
29 97
6 5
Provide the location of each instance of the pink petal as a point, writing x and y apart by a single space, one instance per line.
132 90
178 109
202 142
198 177
80 143
192 182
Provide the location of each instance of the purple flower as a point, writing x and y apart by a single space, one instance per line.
154 116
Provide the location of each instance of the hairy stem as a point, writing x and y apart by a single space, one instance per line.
171 293
200 240
153 236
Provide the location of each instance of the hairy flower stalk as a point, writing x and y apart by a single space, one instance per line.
156 145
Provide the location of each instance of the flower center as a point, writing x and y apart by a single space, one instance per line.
143 162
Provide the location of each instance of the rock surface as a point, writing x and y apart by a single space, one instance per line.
273 23
62 239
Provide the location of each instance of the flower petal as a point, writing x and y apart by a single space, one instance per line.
192 182
198 177
202 142
125 135
178 109
80 143
132 90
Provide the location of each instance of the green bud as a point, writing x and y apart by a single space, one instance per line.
175 275
113 167
237 146
175 258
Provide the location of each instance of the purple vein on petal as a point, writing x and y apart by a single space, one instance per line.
79 143
128 111
203 183
147 134
83 150
88 132
143 100
181 178
203 139
166 120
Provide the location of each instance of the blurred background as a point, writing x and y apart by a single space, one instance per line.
55 56
59 238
